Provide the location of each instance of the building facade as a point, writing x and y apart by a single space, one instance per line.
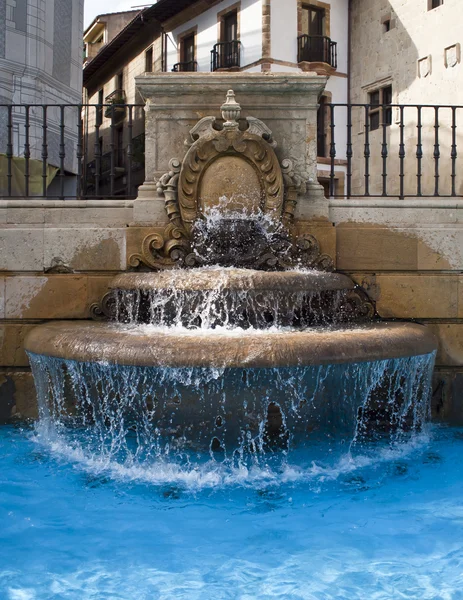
407 52
40 63
229 36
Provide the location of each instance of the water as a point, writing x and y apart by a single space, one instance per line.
134 415
375 521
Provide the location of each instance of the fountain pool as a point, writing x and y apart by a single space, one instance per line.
335 522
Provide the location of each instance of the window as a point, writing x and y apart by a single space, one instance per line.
313 21
380 109
312 44
188 49
387 22
120 81
149 60
99 109
434 4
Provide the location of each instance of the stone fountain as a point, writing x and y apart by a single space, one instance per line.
231 332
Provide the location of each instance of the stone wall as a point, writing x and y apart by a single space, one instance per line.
408 256
57 258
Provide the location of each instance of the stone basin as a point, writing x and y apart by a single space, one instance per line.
150 346
233 279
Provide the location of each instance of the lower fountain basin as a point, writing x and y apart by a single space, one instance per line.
150 346
230 390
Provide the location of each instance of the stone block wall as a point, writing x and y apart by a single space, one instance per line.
57 259
408 256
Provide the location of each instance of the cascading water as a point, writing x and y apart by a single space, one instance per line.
220 376
137 416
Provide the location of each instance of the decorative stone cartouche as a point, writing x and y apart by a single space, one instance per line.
268 196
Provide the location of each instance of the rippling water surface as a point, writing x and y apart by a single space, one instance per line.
375 522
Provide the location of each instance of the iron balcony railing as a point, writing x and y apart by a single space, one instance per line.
317 48
226 55
365 150
185 67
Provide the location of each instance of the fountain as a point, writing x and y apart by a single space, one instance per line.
232 334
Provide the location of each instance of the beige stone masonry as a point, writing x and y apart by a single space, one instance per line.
18 387
414 296
85 249
21 249
2 297
450 336
447 405
105 213
52 296
375 248
12 343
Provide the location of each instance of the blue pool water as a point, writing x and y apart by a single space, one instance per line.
371 522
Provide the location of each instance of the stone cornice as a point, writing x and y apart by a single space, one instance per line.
201 84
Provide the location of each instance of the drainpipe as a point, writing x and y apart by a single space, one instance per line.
349 52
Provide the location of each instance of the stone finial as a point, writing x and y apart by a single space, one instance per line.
231 110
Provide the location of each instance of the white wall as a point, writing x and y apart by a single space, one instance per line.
283 28
339 31
250 34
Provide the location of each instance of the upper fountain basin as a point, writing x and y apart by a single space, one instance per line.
150 346
206 279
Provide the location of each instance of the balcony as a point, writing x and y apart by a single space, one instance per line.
317 48
116 108
185 67
226 55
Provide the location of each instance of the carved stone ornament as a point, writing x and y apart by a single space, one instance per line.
233 161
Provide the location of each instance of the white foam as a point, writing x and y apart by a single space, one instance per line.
214 475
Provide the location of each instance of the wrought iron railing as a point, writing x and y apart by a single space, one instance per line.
116 107
226 55
185 67
75 151
317 48
413 152
70 151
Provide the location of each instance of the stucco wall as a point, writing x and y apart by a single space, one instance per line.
283 24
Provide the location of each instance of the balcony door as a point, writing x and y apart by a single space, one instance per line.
230 27
313 26
228 49
188 53
313 20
